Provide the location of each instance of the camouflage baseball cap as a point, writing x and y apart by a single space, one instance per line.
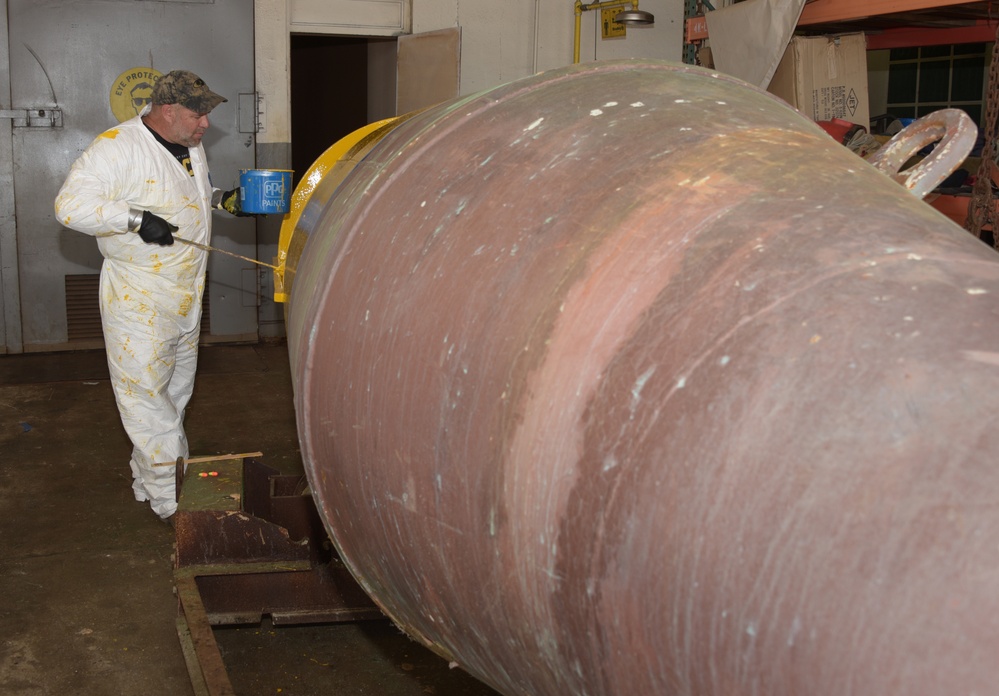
187 89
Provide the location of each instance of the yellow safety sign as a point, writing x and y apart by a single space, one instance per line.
609 28
131 91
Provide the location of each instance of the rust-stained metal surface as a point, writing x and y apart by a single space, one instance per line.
255 543
627 379
250 543
953 133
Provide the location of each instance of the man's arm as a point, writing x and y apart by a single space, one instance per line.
85 202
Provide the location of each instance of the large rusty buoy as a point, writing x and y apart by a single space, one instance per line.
627 379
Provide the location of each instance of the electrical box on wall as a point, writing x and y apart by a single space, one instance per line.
249 118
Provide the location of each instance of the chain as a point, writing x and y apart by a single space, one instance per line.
981 208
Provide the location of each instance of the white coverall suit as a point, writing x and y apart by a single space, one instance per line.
150 294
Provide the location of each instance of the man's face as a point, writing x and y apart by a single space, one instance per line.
186 127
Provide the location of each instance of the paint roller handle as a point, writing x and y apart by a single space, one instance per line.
152 228
230 201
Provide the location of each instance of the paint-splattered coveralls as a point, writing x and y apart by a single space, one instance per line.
150 294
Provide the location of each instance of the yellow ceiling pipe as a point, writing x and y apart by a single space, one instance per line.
634 17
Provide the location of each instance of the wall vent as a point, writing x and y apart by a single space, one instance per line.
206 315
83 308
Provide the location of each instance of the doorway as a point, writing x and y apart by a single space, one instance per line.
338 84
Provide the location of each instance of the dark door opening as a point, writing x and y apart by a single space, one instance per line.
337 82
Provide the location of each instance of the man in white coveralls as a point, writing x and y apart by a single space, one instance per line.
134 188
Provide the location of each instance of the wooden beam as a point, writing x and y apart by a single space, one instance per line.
903 37
822 11
910 37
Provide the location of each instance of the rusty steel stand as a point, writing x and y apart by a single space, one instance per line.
250 543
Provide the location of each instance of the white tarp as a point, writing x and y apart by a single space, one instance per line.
748 38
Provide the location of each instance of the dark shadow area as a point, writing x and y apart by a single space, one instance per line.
329 94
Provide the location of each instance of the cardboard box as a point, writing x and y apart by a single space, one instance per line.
825 77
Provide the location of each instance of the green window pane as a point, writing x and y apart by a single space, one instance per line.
935 52
924 109
902 111
968 78
902 83
934 81
903 54
969 49
975 111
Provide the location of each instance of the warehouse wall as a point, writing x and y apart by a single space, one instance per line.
501 41
74 66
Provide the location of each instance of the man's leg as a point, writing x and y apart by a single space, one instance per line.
140 376
185 367
141 362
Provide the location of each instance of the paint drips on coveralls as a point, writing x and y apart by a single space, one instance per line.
150 294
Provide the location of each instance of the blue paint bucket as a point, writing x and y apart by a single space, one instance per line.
265 190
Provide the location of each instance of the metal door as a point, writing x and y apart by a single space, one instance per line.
10 311
429 69
64 61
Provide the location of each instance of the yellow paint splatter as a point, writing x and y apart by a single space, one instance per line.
185 305
110 134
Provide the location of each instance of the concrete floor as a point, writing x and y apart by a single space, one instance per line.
86 572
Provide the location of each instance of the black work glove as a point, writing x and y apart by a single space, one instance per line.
156 230
232 203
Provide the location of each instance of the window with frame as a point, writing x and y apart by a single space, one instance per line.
928 78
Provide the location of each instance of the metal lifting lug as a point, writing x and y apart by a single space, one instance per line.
33 118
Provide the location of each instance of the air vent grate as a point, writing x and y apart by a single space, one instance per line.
83 308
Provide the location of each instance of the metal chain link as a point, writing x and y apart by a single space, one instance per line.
981 207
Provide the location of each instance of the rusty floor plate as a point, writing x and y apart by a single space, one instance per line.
250 544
